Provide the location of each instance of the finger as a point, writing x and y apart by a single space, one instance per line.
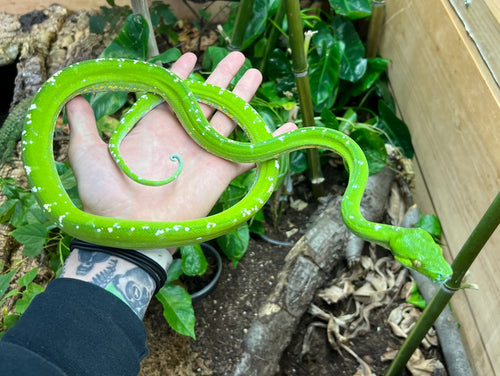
223 74
181 67
245 88
184 65
287 127
81 122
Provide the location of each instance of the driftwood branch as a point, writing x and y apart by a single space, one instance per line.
307 267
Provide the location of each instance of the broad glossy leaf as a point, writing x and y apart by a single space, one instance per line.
177 309
159 12
107 103
174 271
324 75
431 224
396 129
329 119
279 69
235 243
258 22
374 148
353 65
193 260
416 298
132 41
298 161
323 36
348 121
166 57
375 67
353 9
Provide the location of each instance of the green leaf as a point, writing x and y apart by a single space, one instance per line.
329 119
235 243
375 67
26 279
298 161
354 9
31 291
257 223
324 76
159 11
237 189
97 24
373 147
416 298
323 36
166 57
431 224
32 236
177 309
193 260
132 41
7 209
174 271
396 130
213 55
107 103
348 122
5 281
10 320
353 65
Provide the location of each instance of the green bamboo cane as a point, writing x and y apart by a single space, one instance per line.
243 16
376 19
300 69
483 231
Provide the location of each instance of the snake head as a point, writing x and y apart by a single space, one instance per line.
416 249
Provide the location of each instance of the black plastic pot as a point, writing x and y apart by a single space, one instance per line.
213 273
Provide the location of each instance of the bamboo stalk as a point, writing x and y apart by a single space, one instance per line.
243 17
300 69
476 241
376 19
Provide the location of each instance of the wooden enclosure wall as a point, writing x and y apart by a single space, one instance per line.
444 72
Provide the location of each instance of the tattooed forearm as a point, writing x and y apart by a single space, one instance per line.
128 282
104 277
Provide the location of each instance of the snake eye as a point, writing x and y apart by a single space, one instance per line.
416 263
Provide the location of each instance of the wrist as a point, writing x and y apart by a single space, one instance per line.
133 276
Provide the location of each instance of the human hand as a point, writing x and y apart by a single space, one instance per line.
106 191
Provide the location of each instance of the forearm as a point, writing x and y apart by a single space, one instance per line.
131 282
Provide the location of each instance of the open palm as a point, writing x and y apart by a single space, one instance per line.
105 190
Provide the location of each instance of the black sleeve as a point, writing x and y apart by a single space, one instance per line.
74 328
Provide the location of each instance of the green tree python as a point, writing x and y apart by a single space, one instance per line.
414 247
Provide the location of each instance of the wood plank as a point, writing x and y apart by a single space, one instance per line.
481 20
461 306
448 98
